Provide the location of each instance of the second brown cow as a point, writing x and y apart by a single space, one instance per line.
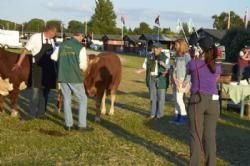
102 78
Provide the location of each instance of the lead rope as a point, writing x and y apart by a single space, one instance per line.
195 115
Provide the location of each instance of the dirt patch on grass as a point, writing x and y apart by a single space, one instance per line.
53 133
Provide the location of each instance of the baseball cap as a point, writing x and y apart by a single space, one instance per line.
157 45
206 43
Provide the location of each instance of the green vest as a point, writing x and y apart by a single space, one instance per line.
68 62
163 80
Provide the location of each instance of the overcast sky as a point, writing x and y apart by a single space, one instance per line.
134 11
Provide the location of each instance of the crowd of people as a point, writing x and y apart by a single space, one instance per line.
71 61
191 72
197 75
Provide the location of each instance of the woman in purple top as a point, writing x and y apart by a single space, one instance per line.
204 103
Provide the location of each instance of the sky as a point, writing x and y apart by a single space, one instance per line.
134 11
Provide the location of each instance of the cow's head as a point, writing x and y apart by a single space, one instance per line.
91 75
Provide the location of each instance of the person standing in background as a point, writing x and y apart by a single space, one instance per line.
204 106
180 81
156 66
244 57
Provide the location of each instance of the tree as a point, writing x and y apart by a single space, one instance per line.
221 21
143 28
167 31
75 25
35 25
56 23
185 28
104 19
5 24
234 40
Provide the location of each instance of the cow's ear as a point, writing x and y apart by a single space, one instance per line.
94 60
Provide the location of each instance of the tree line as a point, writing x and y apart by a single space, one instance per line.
103 21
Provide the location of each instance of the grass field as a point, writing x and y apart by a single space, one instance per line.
127 138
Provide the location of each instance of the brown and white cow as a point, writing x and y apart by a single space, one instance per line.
11 82
101 79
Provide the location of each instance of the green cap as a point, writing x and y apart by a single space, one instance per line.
78 31
157 45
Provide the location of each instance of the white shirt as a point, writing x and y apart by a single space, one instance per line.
152 73
155 72
35 43
82 57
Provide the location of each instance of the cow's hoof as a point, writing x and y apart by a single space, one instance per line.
111 113
14 114
57 111
97 119
103 112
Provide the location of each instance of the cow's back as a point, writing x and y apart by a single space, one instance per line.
108 72
112 62
7 62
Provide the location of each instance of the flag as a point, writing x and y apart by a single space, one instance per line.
123 20
229 21
190 26
178 26
246 19
157 20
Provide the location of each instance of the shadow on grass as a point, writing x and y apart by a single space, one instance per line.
157 149
131 108
233 145
232 142
139 81
145 95
236 120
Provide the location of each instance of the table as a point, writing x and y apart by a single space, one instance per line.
237 94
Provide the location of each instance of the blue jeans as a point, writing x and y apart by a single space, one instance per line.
157 97
79 91
39 99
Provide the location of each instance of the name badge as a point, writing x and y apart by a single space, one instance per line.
215 97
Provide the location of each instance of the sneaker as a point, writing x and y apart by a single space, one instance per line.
182 120
67 128
175 118
159 117
151 117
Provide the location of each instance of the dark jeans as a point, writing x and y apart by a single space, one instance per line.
241 70
39 99
203 119
157 97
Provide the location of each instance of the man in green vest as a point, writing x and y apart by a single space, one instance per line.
156 65
72 62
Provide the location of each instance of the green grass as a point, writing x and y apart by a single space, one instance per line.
127 138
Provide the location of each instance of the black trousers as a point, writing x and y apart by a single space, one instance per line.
39 100
203 113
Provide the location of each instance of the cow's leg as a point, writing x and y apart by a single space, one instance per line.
13 98
1 103
98 112
103 109
59 101
99 98
112 107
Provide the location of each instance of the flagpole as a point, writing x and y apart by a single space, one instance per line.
86 27
122 30
229 20
180 24
158 33
246 18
